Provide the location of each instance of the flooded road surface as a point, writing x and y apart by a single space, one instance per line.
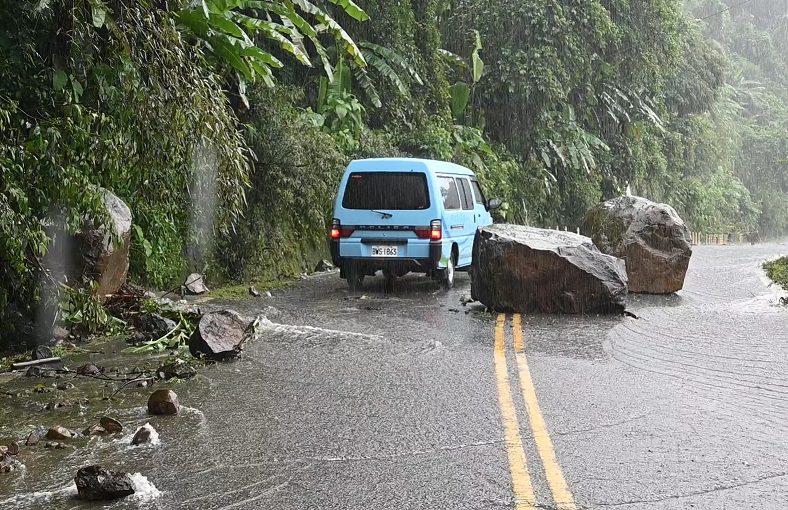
408 402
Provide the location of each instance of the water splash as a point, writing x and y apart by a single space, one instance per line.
144 490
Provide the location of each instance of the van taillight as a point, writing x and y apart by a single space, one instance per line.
436 232
433 232
337 231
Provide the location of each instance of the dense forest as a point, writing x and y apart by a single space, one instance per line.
225 124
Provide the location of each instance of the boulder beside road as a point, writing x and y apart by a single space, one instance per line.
220 335
651 238
526 269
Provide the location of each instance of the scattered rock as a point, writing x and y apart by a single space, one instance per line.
153 326
194 284
64 386
94 430
99 257
97 483
268 294
55 445
163 402
89 369
144 434
142 384
42 352
651 238
33 438
179 369
58 432
324 266
13 449
219 335
43 389
525 269
45 370
254 292
60 333
111 425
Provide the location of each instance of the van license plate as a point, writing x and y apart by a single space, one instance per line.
384 251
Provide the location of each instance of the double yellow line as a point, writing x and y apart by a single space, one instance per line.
525 498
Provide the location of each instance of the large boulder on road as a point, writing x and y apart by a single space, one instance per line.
220 335
99 256
650 237
526 269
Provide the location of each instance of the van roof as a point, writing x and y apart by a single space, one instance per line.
404 164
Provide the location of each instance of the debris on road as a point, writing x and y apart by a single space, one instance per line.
163 402
651 238
220 335
528 269
195 285
97 483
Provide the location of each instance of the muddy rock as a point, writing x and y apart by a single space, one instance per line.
195 284
94 430
42 352
58 432
324 266
64 386
153 326
144 435
89 369
177 370
96 483
220 335
650 237
111 425
54 445
526 269
254 292
163 402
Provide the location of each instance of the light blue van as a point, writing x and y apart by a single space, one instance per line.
403 215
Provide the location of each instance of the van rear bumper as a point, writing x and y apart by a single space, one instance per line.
421 264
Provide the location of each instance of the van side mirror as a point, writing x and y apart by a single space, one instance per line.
493 204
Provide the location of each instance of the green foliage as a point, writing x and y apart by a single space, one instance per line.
80 309
175 339
777 271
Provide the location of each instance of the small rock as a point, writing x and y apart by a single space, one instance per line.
254 292
152 326
163 402
94 430
65 386
60 333
58 432
32 439
194 284
40 371
180 370
55 445
323 266
142 384
455 310
111 425
42 352
268 294
144 434
13 449
89 369
96 483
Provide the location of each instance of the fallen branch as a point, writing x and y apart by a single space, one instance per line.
24 364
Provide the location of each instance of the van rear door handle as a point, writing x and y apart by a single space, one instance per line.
457 227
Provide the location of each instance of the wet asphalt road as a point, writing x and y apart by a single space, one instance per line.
393 401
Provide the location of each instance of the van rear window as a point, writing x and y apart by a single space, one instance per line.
386 190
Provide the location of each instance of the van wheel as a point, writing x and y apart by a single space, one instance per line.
355 278
448 274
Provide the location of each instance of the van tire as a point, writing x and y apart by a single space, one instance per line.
355 278
447 276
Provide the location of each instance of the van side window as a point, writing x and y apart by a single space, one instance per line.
451 198
465 192
477 191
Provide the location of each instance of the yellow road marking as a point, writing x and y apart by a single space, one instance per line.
544 445
523 490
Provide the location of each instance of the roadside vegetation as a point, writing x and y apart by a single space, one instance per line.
259 105
777 271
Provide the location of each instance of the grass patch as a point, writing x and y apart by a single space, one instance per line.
241 291
777 271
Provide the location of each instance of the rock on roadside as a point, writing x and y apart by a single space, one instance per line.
163 402
650 237
58 432
195 284
220 335
526 269
97 483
